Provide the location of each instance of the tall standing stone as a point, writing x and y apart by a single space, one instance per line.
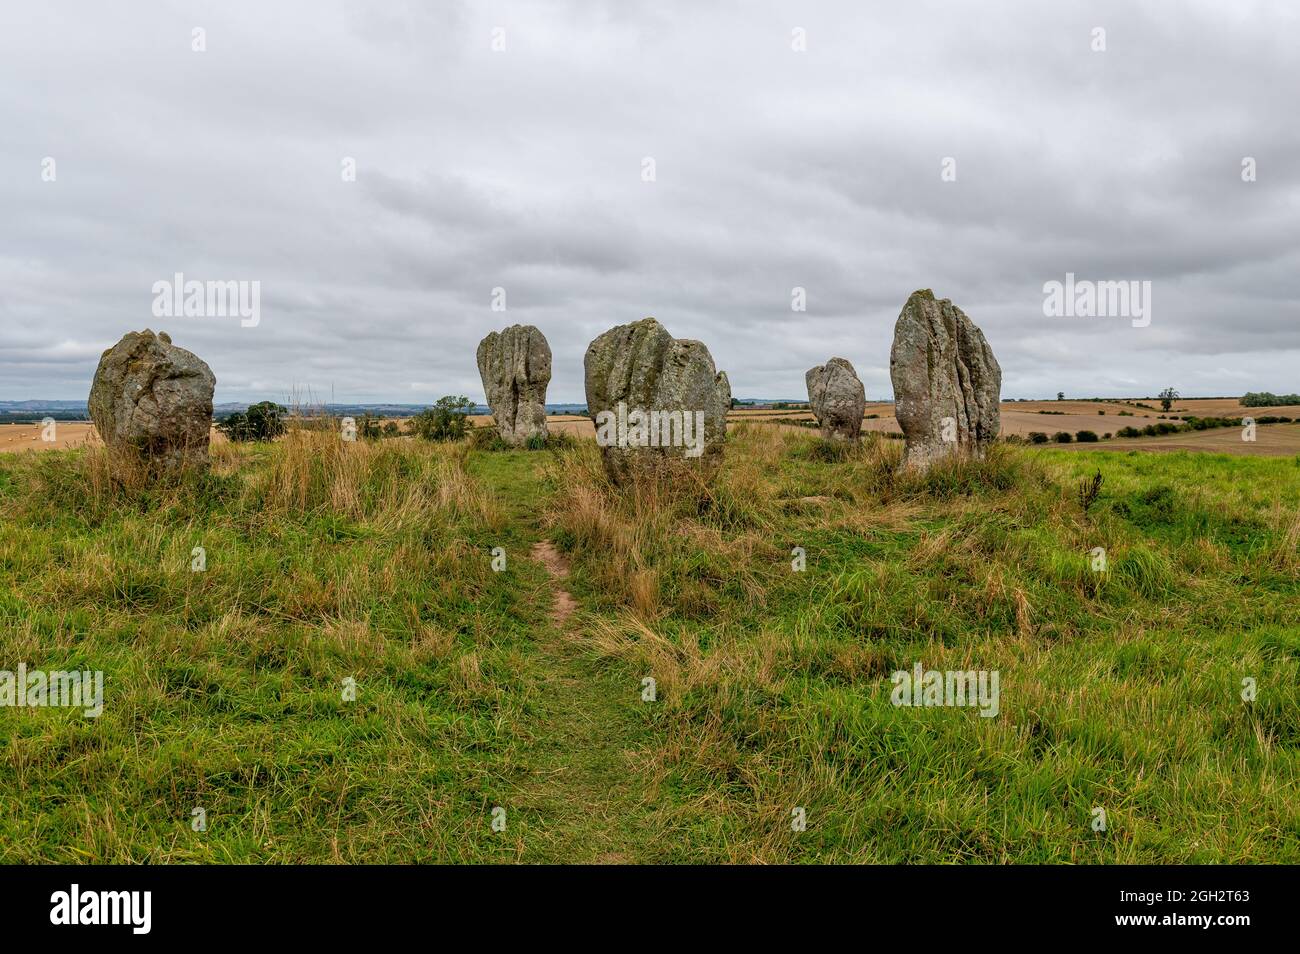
947 383
152 404
515 365
837 399
658 402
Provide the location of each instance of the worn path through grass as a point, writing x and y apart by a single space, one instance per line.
576 794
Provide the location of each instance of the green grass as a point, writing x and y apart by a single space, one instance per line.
1119 690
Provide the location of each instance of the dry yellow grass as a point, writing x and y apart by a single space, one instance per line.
394 481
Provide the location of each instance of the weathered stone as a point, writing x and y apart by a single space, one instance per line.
947 383
837 399
659 404
152 404
515 365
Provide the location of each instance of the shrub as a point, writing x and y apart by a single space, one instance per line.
1062 437
1129 432
1086 437
261 422
447 420
1037 437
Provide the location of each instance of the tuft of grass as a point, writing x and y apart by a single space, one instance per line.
393 481
488 438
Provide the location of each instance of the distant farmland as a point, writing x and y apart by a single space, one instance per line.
1272 440
1019 418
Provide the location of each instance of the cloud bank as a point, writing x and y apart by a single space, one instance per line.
775 168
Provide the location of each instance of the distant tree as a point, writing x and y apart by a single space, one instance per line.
1167 398
1267 399
261 422
1060 395
447 420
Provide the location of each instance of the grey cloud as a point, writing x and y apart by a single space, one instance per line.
775 169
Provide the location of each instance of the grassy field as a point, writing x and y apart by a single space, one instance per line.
326 561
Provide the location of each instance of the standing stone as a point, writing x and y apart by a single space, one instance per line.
659 404
152 405
515 365
947 383
837 399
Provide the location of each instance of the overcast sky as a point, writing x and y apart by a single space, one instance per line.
774 168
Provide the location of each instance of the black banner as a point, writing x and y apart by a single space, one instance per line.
139 905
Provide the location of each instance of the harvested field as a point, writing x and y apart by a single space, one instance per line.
67 434
1271 440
